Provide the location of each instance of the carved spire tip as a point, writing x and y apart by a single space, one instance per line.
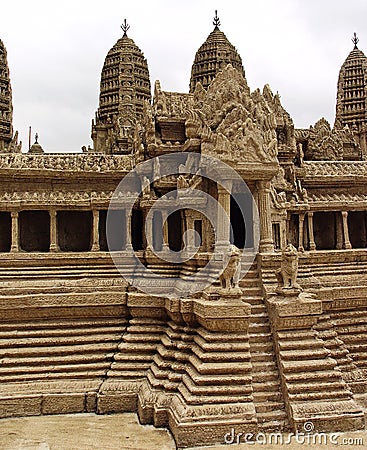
216 21
125 27
355 40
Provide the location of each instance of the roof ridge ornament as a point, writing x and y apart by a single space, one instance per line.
216 21
355 40
125 27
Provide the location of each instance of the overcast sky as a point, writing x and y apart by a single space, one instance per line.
56 52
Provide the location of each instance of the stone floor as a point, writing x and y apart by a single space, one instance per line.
123 432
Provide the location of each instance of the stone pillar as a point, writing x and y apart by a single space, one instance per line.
53 231
311 236
128 217
190 235
14 232
165 245
339 230
95 234
301 221
266 239
223 219
148 232
347 243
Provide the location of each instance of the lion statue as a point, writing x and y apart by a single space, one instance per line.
230 277
287 274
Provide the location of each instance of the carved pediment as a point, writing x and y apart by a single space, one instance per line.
234 124
326 144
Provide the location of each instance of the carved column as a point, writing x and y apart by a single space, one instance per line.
128 217
190 234
53 231
311 236
301 222
339 230
149 243
14 232
95 244
223 219
165 244
347 243
266 240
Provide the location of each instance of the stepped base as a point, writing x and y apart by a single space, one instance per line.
73 396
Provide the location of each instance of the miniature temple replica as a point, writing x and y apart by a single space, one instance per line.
98 316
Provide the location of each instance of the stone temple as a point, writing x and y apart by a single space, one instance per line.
278 348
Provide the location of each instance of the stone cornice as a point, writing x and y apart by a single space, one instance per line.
66 162
331 172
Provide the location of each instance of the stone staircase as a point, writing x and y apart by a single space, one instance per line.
59 329
315 389
57 349
267 395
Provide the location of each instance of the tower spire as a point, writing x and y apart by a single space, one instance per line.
216 21
355 40
125 27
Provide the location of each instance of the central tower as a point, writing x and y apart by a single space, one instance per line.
213 56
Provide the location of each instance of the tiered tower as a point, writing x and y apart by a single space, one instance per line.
125 86
213 56
6 108
351 106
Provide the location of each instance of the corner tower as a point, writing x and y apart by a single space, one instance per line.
125 86
351 105
213 56
6 107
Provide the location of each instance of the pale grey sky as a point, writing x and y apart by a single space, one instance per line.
56 52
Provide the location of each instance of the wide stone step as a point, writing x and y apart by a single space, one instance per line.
304 354
304 344
305 376
273 395
258 327
56 350
314 386
69 370
27 326
50 362
261 346
220 368
262 356
268 406
310 365
296 335
212 357
60 331
57 340
329 394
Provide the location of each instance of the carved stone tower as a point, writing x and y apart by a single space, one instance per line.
213 56
6 108
125 86
351 106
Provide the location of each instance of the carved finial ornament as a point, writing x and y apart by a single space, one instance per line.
125 27
216 21
355 40
36 138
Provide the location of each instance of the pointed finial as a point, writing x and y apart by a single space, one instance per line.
36 138
216 21
125 27
355 40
